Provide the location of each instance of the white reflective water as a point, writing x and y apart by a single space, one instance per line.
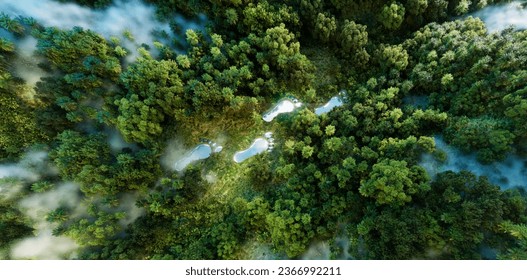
218 149
201 151
284 106
335 101
259 146
499 17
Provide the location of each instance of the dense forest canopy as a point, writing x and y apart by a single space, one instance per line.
96 122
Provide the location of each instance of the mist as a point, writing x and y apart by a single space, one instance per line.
510 173
26 64
16 171
30 168
317 251
175 151
419 102
133 16
127 205
5 34
132 22
257 250
116 141
14 176
43 245
211 177
500 17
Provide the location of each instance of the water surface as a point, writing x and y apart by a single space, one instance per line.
335 101
284 106
200 152
259 146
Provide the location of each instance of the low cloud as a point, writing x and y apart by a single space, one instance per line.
43 245
507 174
500 17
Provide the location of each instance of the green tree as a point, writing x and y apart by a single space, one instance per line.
13 224
488 136
416 7
18 129
87 64
519 232
87 160
258 17
392 182
325 27
393 57
392 15
95 229
353 36
289 229
154 95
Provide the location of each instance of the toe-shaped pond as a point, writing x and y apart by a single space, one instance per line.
259 146
284 106
335 101
200 152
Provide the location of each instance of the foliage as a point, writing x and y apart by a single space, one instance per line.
12 225
153 92
475 78
87 160
488 136
91 3
392 15
391 182
88 66
19 128
354 172
454 219
519 232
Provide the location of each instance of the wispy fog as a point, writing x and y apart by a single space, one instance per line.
127 205
512 172
44 246
26 64
30 168
36 206
317 251
117 142
134 16
500 17
16 171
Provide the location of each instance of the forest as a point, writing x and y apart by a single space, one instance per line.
262 129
